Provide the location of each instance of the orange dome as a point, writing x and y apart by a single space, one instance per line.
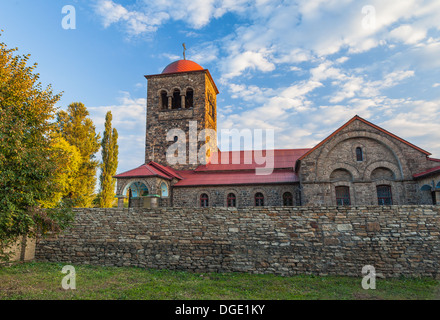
182 66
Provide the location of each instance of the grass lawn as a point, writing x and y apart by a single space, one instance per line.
43 281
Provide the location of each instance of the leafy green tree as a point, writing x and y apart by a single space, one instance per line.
28 162
109 165
78 129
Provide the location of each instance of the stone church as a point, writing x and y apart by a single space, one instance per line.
358 164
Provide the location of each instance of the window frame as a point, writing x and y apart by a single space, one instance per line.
389 189
359 154
204 200
346 199
233 197
259 200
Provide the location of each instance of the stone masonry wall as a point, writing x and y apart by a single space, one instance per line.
396 240
245 195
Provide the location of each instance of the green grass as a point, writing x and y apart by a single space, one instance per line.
43 281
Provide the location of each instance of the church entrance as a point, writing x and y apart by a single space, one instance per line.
135 193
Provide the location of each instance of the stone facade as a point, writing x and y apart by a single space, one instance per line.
396 240
385 161
245 195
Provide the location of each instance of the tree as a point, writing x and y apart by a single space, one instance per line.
28 162
109 165
77 129
68 159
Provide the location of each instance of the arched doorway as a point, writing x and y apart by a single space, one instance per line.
134 193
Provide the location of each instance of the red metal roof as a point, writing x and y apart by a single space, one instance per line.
182 66
193 178
370 124
166 170
246 160
228 174
145 170
427 172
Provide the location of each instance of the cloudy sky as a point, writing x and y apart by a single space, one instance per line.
303 68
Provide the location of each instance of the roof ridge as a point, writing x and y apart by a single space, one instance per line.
356 117
166 170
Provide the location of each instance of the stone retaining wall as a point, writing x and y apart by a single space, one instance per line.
396 240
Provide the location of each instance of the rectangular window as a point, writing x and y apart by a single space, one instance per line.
384 196
343 196
359 154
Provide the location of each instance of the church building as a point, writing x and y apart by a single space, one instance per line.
358 164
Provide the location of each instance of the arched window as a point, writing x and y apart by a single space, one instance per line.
359 154
231 200
177 100
204 200
384 196
164 189
259 199
287 199
189 98
343 196
164 100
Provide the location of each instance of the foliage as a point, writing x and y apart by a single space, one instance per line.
28 162
109 165
77 129
68 160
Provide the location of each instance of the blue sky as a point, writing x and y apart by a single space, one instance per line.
303 68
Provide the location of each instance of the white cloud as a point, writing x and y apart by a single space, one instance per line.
146 16
248 60
137 22
408 34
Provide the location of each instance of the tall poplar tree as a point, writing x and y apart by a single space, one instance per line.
109 165
78 129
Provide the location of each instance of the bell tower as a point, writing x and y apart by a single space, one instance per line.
181 102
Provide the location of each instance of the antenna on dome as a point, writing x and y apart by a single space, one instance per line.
184 49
